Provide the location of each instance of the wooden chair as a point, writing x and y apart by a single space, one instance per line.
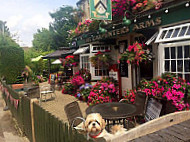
74 115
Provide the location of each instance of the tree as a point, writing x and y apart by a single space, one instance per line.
4 30
64 19
43 40
11 59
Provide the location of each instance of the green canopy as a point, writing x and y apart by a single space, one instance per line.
37 58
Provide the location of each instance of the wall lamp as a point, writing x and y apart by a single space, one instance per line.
101 30
127 22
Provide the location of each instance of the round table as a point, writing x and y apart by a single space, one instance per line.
113 111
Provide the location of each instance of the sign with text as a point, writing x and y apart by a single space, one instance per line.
153 109
124 30
123 67
100 9
113 74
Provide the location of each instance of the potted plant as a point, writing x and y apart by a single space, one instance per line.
137 53
101 59
70 61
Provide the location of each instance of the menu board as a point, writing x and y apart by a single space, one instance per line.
153 109
123 67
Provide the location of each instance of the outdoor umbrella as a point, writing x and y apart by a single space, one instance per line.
37 58
56 62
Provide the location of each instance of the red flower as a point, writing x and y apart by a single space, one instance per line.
99 52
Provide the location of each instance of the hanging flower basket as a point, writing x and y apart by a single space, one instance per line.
136 54
70 61
101 60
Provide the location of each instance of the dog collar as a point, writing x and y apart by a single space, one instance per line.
95 136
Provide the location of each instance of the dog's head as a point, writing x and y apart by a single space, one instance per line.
94 123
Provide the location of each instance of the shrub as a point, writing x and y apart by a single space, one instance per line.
77 81
84 92
84 73
129 96
11 59
168 87
68 88
103 91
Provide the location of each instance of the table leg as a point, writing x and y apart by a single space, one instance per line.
124 123
113 122
108 127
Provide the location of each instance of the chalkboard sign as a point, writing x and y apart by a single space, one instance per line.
123 67
153 109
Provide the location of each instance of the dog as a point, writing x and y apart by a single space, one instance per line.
95 127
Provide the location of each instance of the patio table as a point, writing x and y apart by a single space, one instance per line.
113 111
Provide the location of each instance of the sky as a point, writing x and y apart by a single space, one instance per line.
24 17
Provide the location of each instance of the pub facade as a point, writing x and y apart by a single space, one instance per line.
165 31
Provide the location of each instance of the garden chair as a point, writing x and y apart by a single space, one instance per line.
140 103
46 91
74 115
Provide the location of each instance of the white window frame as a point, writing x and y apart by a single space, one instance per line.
101 46
92 71
161 55
81 63
177 38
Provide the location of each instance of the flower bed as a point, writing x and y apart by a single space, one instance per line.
167 87
103 91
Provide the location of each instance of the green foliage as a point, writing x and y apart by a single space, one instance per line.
11 59
4 30
68 88
64 19
43 40
94 25
39 66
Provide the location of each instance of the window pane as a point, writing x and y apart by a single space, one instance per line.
187 65
188 32
187 77
187 51
173 53
183 30
104 72
100 73
179 52
167 53
173 65
167 65
176 32
169 33
180 65
163 34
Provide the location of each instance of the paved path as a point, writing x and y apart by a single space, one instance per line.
8 132
56 107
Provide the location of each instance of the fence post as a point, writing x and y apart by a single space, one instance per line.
32 118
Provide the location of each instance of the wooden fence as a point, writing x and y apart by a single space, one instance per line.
36 123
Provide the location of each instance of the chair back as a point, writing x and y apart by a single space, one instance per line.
141 102
47 88
73 111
